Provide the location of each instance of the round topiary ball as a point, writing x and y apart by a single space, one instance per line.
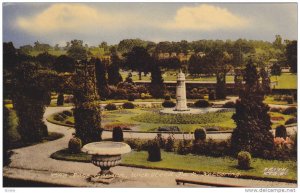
200 134
201 103
111 107
74 145
128 105
244 160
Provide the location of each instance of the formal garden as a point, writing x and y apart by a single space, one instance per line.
254 121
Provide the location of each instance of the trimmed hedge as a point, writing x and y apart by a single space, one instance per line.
168 104
201 103
128 105
110 107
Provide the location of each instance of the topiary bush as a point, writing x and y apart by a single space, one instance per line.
128 105
201 103
244 160
229 104
280 131
200 134
168 104
60 100
291 121
117 134
290 111
74 145
169 145
111 107
184 147
154 153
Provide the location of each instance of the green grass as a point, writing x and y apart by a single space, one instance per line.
125 118
52 52
194 163
281 122
286 81
155 117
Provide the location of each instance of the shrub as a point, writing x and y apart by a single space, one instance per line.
60 100
291 121
74 145
169 145
289 110
167 97
154 153
168 104
58 117
211 148
68 113
244 160
117 134
131 97
169 128
276 110
201 103
128 105
200 134
160 140
212 95
229 104
111 107
137 144
280 131
184 147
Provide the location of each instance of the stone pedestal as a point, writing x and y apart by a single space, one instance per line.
181 93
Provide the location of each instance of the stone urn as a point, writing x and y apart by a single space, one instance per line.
105 155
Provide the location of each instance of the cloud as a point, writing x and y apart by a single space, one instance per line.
71 18
207 18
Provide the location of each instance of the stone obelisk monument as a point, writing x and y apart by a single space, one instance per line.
181 93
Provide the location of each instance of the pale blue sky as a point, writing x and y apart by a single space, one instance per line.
24 23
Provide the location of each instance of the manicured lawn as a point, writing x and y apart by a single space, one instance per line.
286 81
281 122
195 163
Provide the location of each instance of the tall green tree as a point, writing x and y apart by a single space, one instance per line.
138 59
87 113
291 55
219 61
30 95
157 87
77 51
252 133
113 70
101 78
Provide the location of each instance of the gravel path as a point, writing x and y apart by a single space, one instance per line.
34 163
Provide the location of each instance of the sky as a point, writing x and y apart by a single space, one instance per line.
52 23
